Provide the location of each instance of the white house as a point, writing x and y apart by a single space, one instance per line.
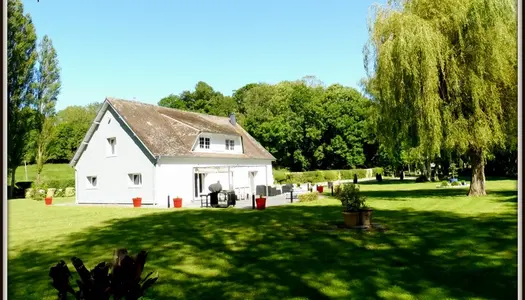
134 149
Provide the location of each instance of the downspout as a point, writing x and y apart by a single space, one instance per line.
76 186
155 181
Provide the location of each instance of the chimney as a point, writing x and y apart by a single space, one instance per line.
232 119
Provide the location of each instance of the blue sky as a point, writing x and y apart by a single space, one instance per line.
149 49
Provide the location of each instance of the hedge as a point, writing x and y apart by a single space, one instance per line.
308 197
285 177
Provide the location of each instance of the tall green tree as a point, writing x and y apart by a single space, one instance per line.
21 58
444 74
72 124
46 89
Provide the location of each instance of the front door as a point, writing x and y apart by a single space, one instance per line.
198 183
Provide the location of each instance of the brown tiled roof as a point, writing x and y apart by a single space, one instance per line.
172 132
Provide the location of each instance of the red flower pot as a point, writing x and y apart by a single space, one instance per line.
320 189
261 203
49 200
177 202
137 202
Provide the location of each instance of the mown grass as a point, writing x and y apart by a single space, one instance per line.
437 244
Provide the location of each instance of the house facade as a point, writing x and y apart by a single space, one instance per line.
134 149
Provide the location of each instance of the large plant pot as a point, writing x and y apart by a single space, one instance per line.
177 202
49 200
365 217
320 189
260 203
137 202
351 219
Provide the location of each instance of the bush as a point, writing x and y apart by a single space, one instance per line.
60 193
60 184
308 197
39 191
377 171
70 192
455 183
331 175
445 184
351 199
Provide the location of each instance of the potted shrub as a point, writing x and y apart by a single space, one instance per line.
353 205
177 202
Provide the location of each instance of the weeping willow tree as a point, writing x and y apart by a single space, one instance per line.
444 75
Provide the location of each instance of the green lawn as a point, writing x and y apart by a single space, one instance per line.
49 172
438 244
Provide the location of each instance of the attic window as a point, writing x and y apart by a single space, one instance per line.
112 146
204 143
135 180
230 145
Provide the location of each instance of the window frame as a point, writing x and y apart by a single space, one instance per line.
131 180
90 185
230 144
204 143
111 147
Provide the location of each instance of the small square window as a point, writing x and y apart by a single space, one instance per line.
230 145
112 146
92 182
204 143
135 179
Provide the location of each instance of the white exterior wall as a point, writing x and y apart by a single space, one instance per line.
112 172
175 176
218 143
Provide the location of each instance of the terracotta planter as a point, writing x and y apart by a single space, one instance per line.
177 202
365 217
49 200
351 219
260 203
137 202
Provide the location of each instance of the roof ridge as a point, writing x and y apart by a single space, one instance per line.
164 107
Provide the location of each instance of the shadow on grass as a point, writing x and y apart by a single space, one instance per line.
294 251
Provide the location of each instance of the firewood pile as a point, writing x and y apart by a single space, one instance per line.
124 281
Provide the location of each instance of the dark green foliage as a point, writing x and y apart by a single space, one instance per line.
422 178
308 197
124 281
303 124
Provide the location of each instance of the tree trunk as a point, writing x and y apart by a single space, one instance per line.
428 169
477 182
13 180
